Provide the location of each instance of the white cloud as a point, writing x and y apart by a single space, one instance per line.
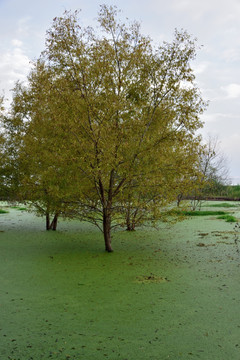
223 11
200 67
209 118
198 9
232 91
231 55
14 65
17 43
231 147
23 26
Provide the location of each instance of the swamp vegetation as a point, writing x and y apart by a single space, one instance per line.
171 293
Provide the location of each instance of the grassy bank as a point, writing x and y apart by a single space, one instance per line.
171 293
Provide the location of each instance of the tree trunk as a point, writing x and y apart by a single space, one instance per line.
107 230
128 220
179 199
131 227
131 220
48 226
54 222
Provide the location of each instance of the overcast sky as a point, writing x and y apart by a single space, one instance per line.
215 23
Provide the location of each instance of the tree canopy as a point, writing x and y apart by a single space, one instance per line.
109 122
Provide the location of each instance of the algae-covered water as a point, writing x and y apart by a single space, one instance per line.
172 293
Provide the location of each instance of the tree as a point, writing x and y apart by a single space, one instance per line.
119 113
150 202
213 169
2 155
32 137
8 152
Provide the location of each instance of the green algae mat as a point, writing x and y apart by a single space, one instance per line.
171 293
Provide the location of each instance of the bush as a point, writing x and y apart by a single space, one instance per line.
234 191
225 205
201 213
228 218
3 211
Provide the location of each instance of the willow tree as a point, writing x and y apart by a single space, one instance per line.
9 145
2 154
37 147
122 114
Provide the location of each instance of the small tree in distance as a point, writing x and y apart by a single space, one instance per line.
214 172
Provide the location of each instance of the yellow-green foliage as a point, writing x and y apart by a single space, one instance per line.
110 126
